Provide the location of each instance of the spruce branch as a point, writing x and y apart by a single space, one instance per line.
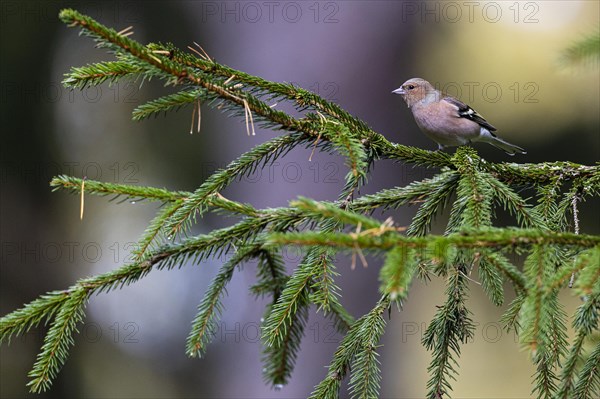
67 305
452 324
270 274
568 374
585 323
528 173
588 383
347 145
210 308
278 360
527 216
588 279
58 340
545 378
490 275
181 73
489 238
435 199
586 266
413 193
138 193
184 72
325 211
325 292
96 74
341 318
510 318
586 49
40 310
283 329
169 102
587 315
245 165
365 330
132 193
365 373
279 357
152 234
542 320
294 296
504 266
547 207
397 272
450 327
470 186
535 316
558 336
303 99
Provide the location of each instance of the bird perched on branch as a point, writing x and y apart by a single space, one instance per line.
447 120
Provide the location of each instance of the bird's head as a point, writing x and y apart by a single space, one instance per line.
417 90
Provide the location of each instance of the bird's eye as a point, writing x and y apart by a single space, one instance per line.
410 87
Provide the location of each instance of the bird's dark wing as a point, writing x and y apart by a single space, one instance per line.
464 111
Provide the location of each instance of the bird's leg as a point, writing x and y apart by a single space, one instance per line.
440 147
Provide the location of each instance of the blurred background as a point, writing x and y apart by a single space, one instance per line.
501 57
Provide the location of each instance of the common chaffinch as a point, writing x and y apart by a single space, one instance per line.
447 120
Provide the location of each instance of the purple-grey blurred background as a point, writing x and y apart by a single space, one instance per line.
501 57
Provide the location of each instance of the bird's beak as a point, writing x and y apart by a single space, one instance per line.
399 90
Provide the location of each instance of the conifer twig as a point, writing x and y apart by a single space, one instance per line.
468 189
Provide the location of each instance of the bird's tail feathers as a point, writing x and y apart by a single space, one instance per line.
497 142
507 147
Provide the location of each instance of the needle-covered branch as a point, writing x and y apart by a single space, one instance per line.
465 195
